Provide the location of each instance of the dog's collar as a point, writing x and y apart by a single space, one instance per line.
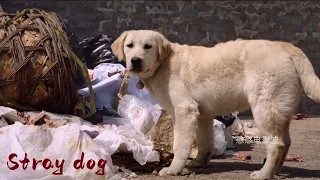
140 84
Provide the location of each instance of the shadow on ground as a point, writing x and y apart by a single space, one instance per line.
287 172
243 147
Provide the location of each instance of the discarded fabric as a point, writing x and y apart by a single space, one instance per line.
69 142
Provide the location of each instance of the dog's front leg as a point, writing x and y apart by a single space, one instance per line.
185 126
204 143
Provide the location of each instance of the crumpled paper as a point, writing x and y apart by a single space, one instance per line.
67 143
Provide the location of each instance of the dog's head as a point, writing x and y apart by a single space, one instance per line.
143 51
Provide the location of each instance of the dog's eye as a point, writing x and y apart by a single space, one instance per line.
130 45
147 46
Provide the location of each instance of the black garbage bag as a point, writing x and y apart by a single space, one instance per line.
105 112
77 49
97 50
227 120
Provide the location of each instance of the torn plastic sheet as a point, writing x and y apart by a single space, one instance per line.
142 115
67 143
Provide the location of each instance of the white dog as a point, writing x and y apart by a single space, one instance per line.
195 84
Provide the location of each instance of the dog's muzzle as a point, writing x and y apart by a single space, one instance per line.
136 64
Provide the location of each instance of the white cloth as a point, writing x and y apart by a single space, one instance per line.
67 143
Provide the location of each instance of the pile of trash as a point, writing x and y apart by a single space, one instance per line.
65 139
58 141
128 133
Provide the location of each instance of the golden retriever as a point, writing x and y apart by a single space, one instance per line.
195 84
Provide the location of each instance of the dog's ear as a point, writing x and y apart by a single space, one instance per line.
164 48
118 46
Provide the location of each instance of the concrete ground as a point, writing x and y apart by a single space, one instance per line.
305 135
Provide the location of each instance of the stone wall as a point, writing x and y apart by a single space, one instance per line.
196 22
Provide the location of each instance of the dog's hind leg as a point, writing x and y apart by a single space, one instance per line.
274 98
270 125
185 126
287 143
273 119
204 142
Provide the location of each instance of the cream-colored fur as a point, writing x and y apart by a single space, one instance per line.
195 83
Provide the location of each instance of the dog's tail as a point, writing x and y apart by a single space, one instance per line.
309 80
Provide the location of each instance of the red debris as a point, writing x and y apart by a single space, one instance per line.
32 120
293 157
300 116
243 156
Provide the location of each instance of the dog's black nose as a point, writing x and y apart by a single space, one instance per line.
136 63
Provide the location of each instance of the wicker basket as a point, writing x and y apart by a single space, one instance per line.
37 69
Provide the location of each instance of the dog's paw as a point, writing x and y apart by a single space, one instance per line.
172 172
259 175
168 171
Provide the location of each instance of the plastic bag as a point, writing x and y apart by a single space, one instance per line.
228 135
220 144
104 87
142 115
231 128
231 122
97 50
236 123
117 121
